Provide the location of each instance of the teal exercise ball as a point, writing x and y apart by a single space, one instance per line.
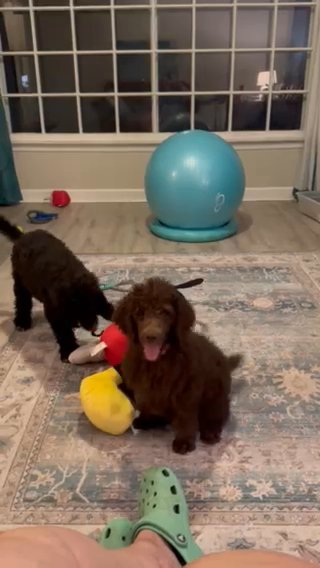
194 184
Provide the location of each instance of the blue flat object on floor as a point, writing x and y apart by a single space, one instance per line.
40 217
193 235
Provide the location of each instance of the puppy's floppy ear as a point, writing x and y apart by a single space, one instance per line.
185 316
123 317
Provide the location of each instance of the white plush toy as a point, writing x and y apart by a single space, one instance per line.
86 354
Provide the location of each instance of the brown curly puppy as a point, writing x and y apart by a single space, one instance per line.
45 269
173 374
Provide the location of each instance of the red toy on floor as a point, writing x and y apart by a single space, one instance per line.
114 343
60 198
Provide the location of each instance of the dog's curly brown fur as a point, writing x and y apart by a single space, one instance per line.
173 374
45 269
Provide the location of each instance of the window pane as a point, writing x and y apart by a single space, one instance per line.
293 27
93 30
174 113
57 73
174 1
20 74
98 114
135 114
174 72
53 31
15 31
174 29
253 28
214 1
212 71
131 2
24 113
133 73
14 3
133 29
249 112
290 68
247 68
60 114
286 111
95 73
213 28
51 2
211 112
91 2
293 1
256 1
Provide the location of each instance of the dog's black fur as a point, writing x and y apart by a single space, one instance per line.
45 269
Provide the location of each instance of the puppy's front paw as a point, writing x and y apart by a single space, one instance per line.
64 353
22 325
143 422
210 438
140 423
183 446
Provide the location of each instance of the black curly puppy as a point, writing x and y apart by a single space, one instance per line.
44 268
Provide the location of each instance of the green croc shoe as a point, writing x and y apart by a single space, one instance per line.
163 510
117 534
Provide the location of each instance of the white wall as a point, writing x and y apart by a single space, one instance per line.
104 171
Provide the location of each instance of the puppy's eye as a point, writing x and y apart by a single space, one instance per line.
167 311
140 313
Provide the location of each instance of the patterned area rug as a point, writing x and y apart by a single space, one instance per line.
258 488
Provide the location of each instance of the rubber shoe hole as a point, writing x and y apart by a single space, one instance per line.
155 494
123 539
165 473
152 482
108 533
154 506
176 509
173 490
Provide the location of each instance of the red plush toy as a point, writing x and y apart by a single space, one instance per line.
114 343
60 198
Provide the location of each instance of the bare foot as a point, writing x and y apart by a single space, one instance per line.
154 552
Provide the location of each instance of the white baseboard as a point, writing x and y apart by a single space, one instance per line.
137 195
268 194
88 195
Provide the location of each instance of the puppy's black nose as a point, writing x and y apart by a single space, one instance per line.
151 338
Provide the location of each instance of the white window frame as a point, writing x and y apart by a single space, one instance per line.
149 139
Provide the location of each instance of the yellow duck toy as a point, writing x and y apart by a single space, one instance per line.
104 404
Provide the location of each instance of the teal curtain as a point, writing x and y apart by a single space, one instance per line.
9 186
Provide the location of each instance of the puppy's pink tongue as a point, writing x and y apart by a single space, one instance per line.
152 351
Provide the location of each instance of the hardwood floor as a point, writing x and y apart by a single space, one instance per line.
120 228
